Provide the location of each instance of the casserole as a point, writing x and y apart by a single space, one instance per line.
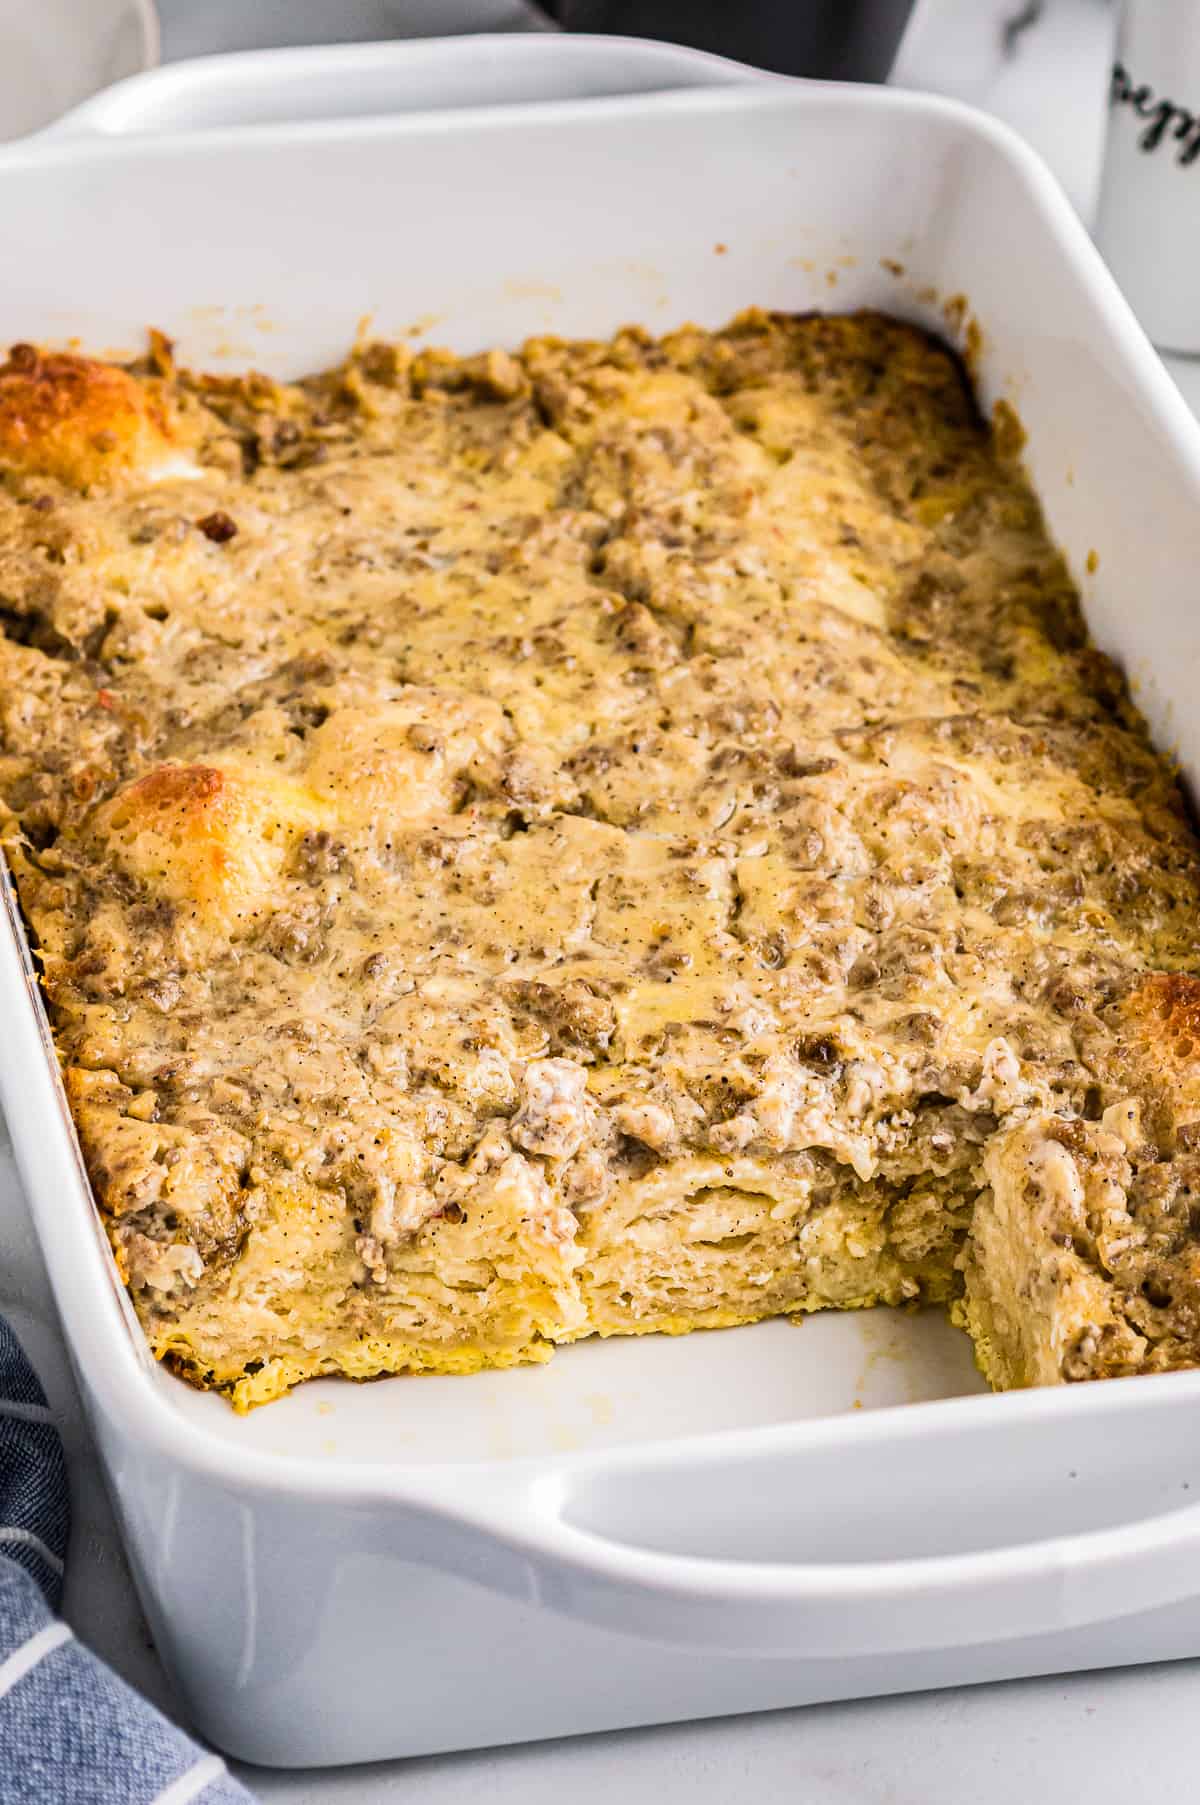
612 837
654 1530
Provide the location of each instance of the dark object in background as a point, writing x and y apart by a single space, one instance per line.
840 40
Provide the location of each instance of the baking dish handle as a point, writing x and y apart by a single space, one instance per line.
914 1537
416 75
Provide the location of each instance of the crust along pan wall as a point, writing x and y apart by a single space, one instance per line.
617 837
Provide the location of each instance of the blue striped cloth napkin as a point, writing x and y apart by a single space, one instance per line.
71 1732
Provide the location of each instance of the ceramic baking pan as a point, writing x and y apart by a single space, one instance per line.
651 1529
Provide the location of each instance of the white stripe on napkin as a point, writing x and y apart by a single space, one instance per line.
27 1413
192 1784
10 1534
26 1658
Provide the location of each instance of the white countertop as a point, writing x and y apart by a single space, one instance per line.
1098 1736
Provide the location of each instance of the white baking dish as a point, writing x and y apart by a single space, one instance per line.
56 54
651 1529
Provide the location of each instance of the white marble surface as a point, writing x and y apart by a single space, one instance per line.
1093 1736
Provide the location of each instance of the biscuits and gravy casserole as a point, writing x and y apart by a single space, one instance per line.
615 837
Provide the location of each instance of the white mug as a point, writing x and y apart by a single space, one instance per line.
1148 222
